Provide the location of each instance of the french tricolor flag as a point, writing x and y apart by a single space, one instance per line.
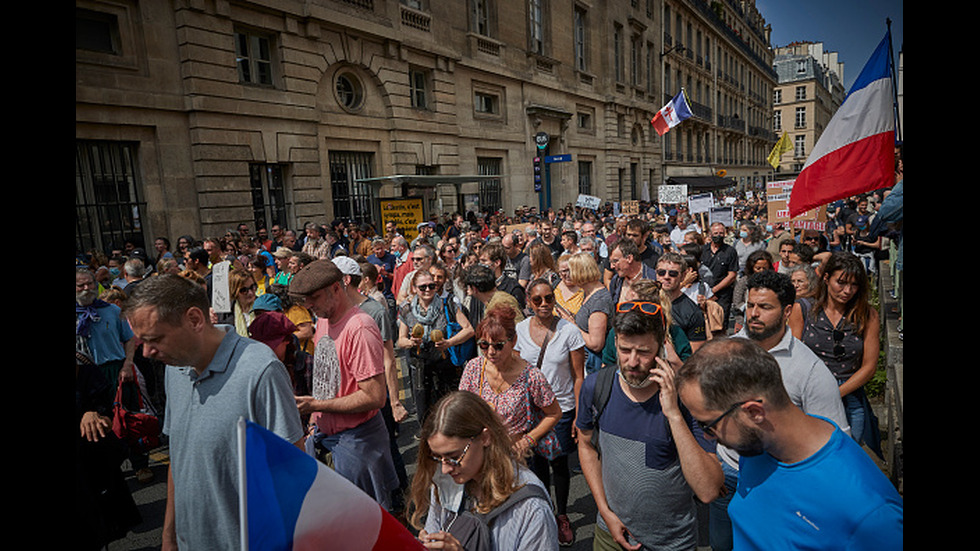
856 152
672 114
293 501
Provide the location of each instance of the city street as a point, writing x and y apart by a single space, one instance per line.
151 498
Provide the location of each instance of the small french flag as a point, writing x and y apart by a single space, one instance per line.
672 114
293 501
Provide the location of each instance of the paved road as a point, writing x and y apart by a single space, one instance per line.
151 498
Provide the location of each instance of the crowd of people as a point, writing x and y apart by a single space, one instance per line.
677 362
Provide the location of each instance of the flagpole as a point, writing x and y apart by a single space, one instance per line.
242 486
891 63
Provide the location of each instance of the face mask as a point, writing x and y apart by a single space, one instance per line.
114 271
743 234
718 239
768 228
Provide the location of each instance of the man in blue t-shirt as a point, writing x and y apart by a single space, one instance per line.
654 461
803 483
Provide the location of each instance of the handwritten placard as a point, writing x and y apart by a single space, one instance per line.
405 213
221 294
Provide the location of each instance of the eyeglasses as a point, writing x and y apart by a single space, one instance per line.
538 299
428 287
484 345
450 461
671 273
651 308
708 428
253 289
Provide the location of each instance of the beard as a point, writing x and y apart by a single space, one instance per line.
636 381
749 443
761 334
85 298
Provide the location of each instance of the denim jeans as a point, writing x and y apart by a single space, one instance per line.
719 523
854 408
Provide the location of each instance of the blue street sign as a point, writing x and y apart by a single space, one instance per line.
567 157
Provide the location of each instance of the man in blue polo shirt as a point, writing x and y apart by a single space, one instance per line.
803 482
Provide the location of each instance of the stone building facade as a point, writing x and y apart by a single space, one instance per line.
195 115
809 91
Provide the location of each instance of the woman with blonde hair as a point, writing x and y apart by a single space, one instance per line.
567 295
241 290
466 464
595 315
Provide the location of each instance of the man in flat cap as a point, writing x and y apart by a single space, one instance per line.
348 423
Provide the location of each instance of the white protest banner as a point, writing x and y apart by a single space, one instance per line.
672 194
701 202
725 215
588 202
220 295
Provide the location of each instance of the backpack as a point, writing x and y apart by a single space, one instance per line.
604 379
463 352
473 529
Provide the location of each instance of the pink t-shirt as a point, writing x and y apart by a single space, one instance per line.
359 349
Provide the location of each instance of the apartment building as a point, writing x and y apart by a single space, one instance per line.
809 91
195 115
719 52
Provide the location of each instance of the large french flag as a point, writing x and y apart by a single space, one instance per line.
856 152
293 501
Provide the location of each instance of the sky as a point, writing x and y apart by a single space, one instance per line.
853 28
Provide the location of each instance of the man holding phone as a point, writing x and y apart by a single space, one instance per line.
654 459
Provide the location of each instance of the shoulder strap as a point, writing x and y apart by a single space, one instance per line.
524 492
605 378
544 345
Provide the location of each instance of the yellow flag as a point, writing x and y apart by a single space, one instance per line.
782 146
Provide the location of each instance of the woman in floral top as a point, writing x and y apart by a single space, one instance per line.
510 385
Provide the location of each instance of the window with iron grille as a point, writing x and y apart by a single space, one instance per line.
585 177
352 200
109 207
268 195
490 188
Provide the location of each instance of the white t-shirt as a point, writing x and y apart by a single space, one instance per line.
556 366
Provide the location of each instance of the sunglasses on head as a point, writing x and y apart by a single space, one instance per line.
538 299
651 308
484 345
